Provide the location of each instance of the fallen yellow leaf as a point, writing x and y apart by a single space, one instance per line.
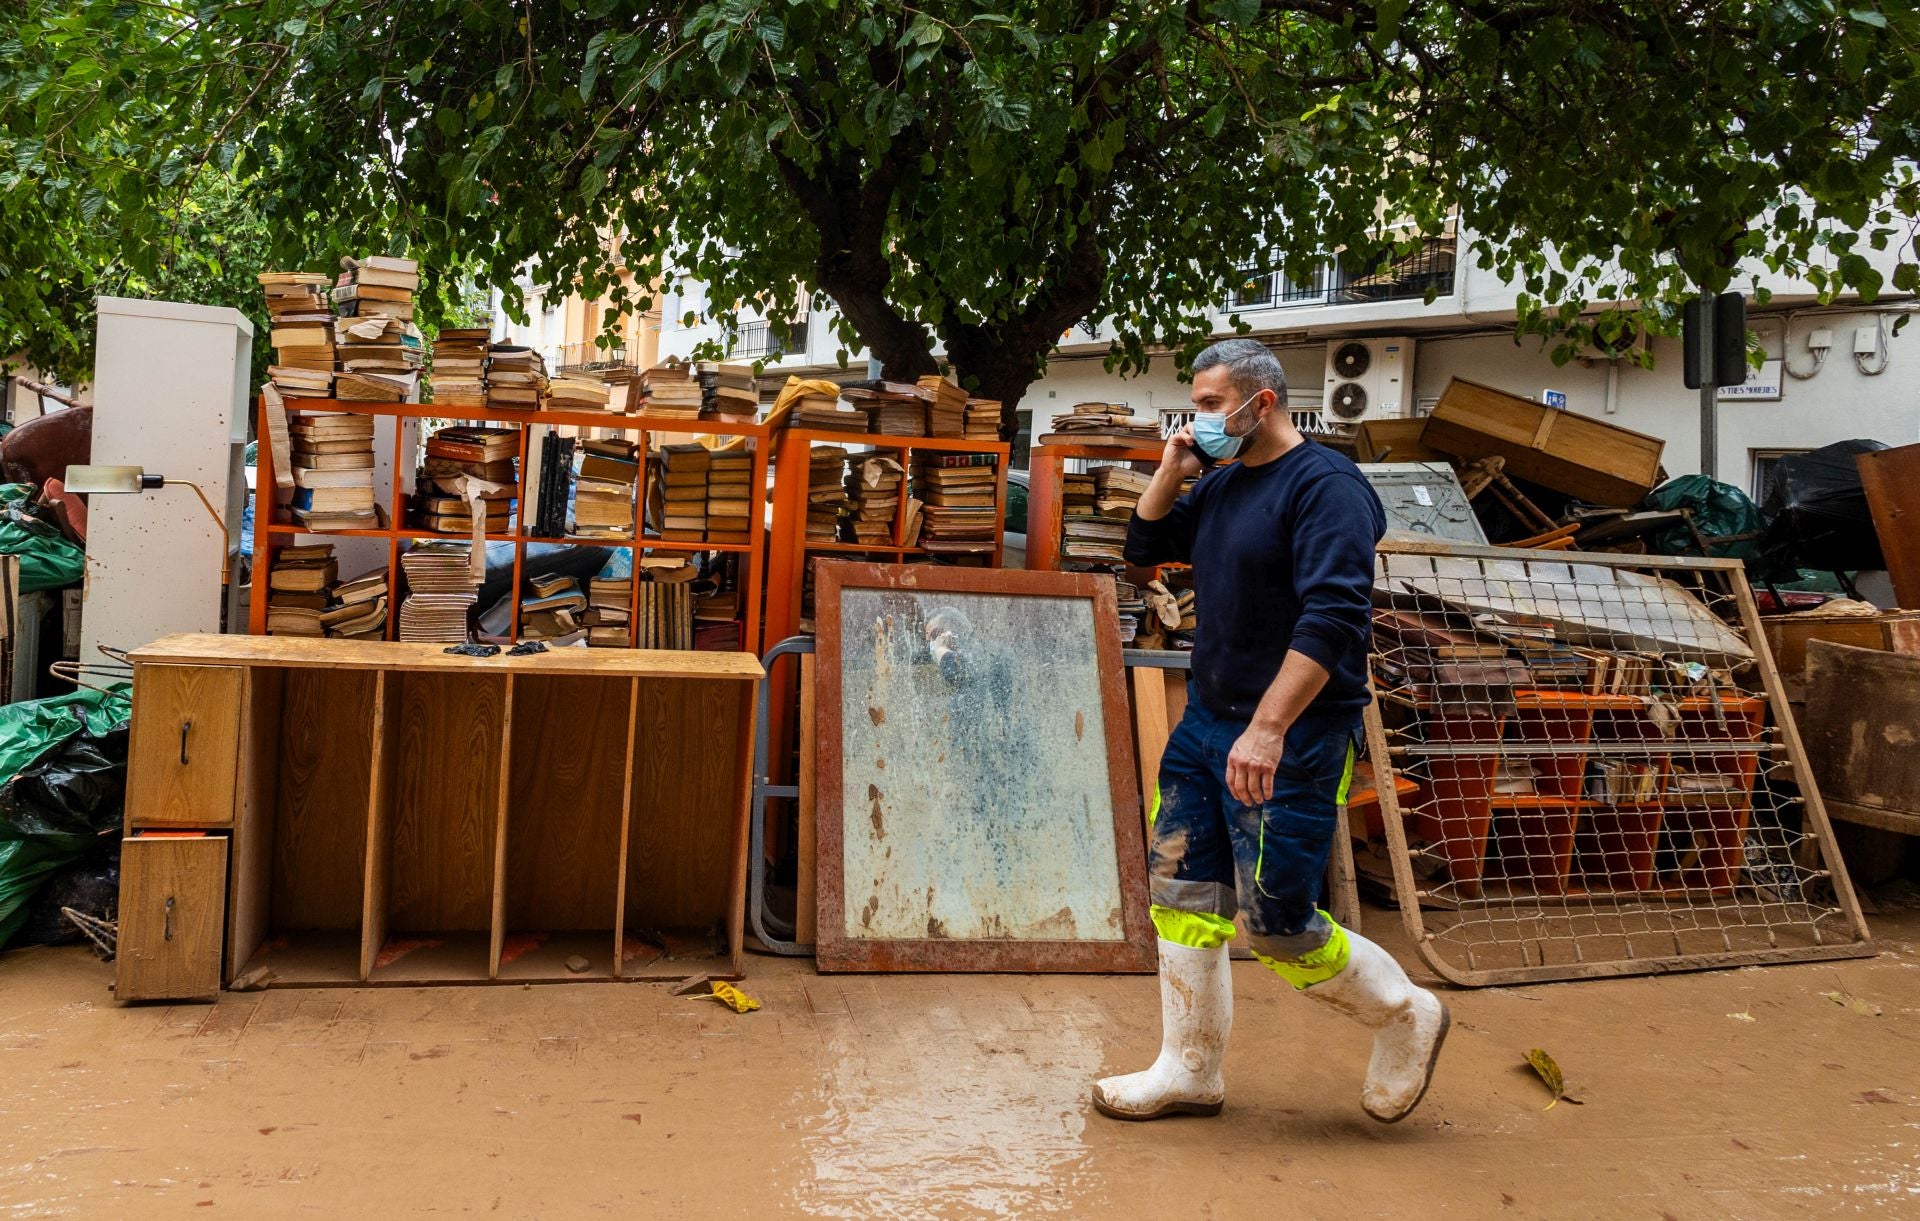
730 996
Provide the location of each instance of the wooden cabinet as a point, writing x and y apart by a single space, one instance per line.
399 815
185 737
173 898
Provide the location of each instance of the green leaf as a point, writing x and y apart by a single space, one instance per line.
590 68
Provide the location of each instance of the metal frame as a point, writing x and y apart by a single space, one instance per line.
1817 825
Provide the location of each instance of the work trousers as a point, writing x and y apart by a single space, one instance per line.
1213 855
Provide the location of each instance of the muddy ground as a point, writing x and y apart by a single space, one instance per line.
1741 1093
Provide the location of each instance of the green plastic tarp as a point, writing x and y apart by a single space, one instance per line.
1719 510
47 559
30 854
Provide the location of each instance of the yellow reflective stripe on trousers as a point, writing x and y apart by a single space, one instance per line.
1198 930
1153 811
1260 857
1314 966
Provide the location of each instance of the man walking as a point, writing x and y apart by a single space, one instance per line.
1282 548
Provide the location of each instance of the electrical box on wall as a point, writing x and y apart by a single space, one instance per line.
1368 379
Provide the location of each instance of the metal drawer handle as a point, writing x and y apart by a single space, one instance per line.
167 928
184 726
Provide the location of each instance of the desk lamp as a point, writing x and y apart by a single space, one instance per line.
115 480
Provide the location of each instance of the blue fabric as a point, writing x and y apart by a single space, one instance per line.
1282 557
1209 849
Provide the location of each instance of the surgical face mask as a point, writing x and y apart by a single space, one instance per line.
1210 432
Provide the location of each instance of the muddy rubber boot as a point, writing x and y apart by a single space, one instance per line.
1196 1015
1408 1022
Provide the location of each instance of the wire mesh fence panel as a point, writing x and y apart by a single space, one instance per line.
1598 771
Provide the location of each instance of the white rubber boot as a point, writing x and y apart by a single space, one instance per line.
1196 1015
1408 1022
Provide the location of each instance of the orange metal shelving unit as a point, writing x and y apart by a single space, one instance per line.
274 527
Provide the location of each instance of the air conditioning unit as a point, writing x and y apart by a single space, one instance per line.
1368 379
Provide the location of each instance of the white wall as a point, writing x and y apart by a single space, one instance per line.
1836 404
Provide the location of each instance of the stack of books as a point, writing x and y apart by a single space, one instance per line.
1117 489
516 378
301 334
828 414
894 409
460 367
578 392
671 391
946 407
333 472
297 589
983 420
603 493
379 349
1091 537
355 609
826 492
961 506
731 390
666 602
456 458
729 498
608 607
440 592
873 484
1076 493
552 609
1102 424
1130 608
683 491
379 346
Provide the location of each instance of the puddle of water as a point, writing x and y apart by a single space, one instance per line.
951 1129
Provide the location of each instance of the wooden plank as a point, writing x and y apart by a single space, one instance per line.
1151 728
249 904
680 855
806 898
1816 822
1891 480
626 827
497 921
304 652
173 891
184 739
1787 636
1906 822
320 818
742 811
383 766
447 789
568 751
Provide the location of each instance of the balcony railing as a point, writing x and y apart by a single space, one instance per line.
1404 279
588 357
759 340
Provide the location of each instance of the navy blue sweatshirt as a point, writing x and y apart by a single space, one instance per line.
1282 557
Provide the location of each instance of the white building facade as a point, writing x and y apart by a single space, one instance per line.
1864 381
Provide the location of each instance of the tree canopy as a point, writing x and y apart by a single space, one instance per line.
986 173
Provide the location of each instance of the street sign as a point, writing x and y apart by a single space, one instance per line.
1554 398
1763 385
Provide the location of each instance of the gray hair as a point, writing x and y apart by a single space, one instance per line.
1250 364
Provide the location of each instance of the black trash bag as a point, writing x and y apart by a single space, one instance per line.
1817 514
63 808
92 886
